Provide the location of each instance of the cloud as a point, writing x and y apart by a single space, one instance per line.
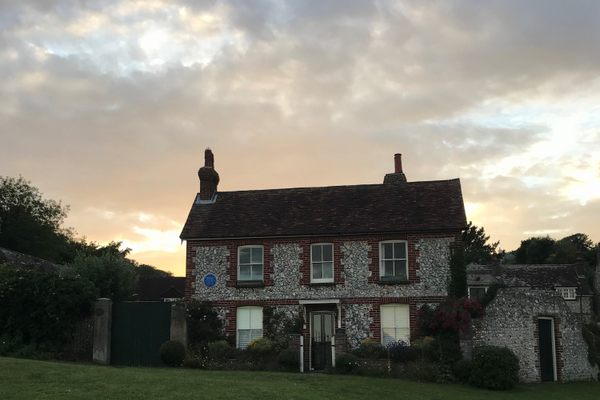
109 105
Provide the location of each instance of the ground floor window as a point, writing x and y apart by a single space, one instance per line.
249 321
477 292
395 323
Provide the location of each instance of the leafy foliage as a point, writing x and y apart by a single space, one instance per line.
477 248
591 335
452 316
494 368
462 370
220 350
400 352
203 323
545 250
172 353
112 274
42 308
346 363
289 359
277 326
371 349
31 224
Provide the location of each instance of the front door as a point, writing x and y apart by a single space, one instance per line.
321 334
546 349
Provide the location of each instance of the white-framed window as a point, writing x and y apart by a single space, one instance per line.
477 292
321 262
249 322
567 293
393 260
250 263
395 323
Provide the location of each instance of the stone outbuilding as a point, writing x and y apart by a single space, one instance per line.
537 312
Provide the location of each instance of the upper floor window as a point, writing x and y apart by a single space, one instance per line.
250 263
568 293
393 261
321 262
477 292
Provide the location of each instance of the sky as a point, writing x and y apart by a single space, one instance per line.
109 105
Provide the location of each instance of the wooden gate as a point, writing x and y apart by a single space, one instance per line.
138 330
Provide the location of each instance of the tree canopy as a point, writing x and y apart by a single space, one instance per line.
477 248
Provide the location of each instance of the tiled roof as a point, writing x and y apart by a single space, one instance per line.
19 260
333 210
547 276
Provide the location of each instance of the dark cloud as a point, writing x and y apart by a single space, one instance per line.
294 94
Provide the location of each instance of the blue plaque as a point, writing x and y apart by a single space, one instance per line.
210 280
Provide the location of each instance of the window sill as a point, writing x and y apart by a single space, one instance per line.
322 284
250 284
392 280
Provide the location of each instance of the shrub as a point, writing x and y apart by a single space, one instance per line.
423 371
172 353
260 350
194 363
494 368
462 370
375 368
401 352
289 359
425 348
346 363
219 350
203 323
370 348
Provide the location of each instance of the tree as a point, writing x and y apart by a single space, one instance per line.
145 271
31 224
477 248
545 250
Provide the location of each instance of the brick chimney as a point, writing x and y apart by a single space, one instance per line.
209 178
398 176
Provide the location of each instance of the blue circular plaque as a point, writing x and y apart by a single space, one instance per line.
210 280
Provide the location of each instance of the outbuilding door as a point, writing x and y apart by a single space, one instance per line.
546 348
321 334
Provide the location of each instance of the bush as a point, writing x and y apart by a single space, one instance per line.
401 352
172 353
219 350
203 323
346 363
494 368
425 348
462 370
289 359
375 368
194 363
259 351
424 371
370 348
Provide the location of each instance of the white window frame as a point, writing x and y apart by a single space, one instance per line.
485 288
382 260
322 280
567 293
395 305
237 323
262 250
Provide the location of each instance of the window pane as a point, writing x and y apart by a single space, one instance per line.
388 336
257 256
243 338
317 271
400 250
245 255
257 272
327 252
256 318
400 269
244 272
327 270
316 253
388 251
388 268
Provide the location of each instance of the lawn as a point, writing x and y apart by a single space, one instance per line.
26 379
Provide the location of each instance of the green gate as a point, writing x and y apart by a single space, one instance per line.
138 330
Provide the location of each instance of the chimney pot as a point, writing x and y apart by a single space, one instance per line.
397 163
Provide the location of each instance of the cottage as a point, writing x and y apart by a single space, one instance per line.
538 313
351 261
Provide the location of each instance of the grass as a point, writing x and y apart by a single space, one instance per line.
27 379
